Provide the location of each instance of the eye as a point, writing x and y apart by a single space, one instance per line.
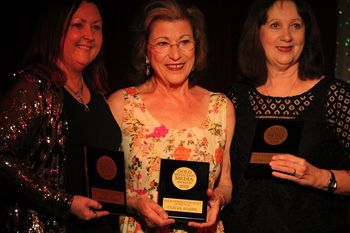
97 27
185 42
77 25
274 25
297 25
162 44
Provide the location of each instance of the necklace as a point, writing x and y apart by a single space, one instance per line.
78 94
287 94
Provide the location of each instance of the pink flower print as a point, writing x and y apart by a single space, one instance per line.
216 109
138 227
153 184
135 161
141 191
158 132
131 90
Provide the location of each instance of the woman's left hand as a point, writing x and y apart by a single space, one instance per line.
291 167
212 211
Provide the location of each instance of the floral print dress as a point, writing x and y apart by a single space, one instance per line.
146 141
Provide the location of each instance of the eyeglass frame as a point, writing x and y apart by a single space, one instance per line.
170 45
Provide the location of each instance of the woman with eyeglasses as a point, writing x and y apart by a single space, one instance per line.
167 116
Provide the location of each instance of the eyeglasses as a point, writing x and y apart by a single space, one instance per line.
164 46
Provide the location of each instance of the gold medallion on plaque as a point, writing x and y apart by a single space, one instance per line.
106 167
275 135
184 178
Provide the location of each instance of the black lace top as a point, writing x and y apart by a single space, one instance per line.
274 205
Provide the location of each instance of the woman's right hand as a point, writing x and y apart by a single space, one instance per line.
86 208
152 213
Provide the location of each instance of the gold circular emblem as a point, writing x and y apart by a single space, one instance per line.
275 135
106 167
184 178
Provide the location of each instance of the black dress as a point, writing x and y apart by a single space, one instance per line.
272 205
96 128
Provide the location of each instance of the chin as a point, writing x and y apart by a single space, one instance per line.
178 80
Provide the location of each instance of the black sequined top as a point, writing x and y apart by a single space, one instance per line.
272 205
32 153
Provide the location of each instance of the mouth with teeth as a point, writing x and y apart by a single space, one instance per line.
85 47
175 67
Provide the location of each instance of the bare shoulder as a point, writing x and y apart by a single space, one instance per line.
229 104
116 96
200 91
116 104
225 98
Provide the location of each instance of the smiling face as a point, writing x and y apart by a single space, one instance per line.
171 66
283 35
83 40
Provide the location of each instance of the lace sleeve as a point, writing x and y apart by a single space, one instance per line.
338 111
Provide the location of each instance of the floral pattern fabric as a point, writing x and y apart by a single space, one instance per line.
146 141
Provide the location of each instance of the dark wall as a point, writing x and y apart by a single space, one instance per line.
224 21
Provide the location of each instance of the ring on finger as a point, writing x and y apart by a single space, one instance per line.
293 173
95 214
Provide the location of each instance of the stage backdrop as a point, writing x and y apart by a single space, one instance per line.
342 65
224 22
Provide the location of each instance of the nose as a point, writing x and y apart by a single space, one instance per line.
286 34
88 33
174 52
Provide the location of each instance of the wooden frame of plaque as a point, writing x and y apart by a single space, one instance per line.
272 136
183 189
105 178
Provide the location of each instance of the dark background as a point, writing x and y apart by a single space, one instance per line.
224 21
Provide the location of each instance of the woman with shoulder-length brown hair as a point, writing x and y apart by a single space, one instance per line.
307 162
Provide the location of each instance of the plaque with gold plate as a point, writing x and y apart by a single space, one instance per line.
272 136
183 189
105 176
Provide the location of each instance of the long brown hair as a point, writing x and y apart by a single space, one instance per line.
46 46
